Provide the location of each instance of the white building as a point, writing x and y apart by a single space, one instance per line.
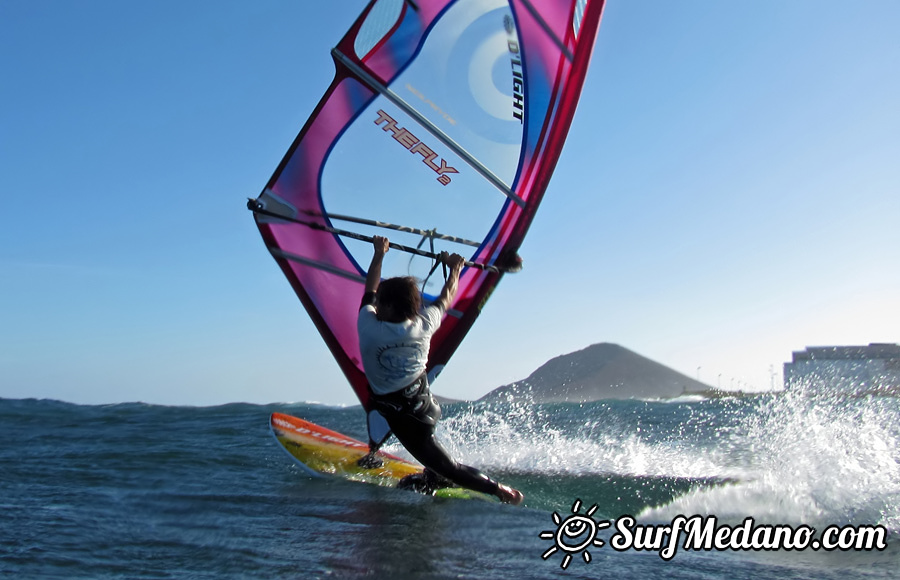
858 369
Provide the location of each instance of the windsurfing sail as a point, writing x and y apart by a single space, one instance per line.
440 130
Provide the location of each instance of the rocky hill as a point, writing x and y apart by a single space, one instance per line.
601 371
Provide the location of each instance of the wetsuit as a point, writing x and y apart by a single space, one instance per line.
394 353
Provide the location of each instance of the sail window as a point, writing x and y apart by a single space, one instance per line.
381 19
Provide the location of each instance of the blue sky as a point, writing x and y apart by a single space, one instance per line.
730 192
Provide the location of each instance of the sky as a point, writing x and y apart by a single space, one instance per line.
729 193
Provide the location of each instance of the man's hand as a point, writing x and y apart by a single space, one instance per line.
455 262
382 245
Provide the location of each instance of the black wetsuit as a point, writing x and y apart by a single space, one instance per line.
413 418
412 414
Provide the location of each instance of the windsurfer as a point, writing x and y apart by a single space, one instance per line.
395 335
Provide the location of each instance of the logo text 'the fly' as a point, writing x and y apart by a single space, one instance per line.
411 142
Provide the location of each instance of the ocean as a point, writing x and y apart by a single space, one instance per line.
147 491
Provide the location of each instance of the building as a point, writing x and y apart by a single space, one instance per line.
853 369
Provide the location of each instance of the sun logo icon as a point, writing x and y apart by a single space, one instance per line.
574 534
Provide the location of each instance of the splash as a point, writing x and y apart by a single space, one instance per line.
814 457
568 440
804 456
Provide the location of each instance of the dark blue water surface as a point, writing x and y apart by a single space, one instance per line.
144 491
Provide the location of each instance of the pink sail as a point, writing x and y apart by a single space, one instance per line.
440 130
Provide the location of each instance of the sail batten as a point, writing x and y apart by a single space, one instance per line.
433 233
325 267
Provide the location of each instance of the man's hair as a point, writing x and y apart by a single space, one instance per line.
398 299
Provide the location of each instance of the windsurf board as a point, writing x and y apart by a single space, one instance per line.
322 452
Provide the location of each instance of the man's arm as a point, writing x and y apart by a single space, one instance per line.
373 278
456 263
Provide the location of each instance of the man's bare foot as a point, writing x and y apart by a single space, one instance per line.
509 495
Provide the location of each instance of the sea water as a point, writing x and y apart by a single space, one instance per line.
144 491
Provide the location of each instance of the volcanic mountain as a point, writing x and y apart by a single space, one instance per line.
600 371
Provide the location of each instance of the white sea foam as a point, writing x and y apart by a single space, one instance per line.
522 438
816 460
796 458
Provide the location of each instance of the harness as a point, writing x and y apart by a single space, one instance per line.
413 401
